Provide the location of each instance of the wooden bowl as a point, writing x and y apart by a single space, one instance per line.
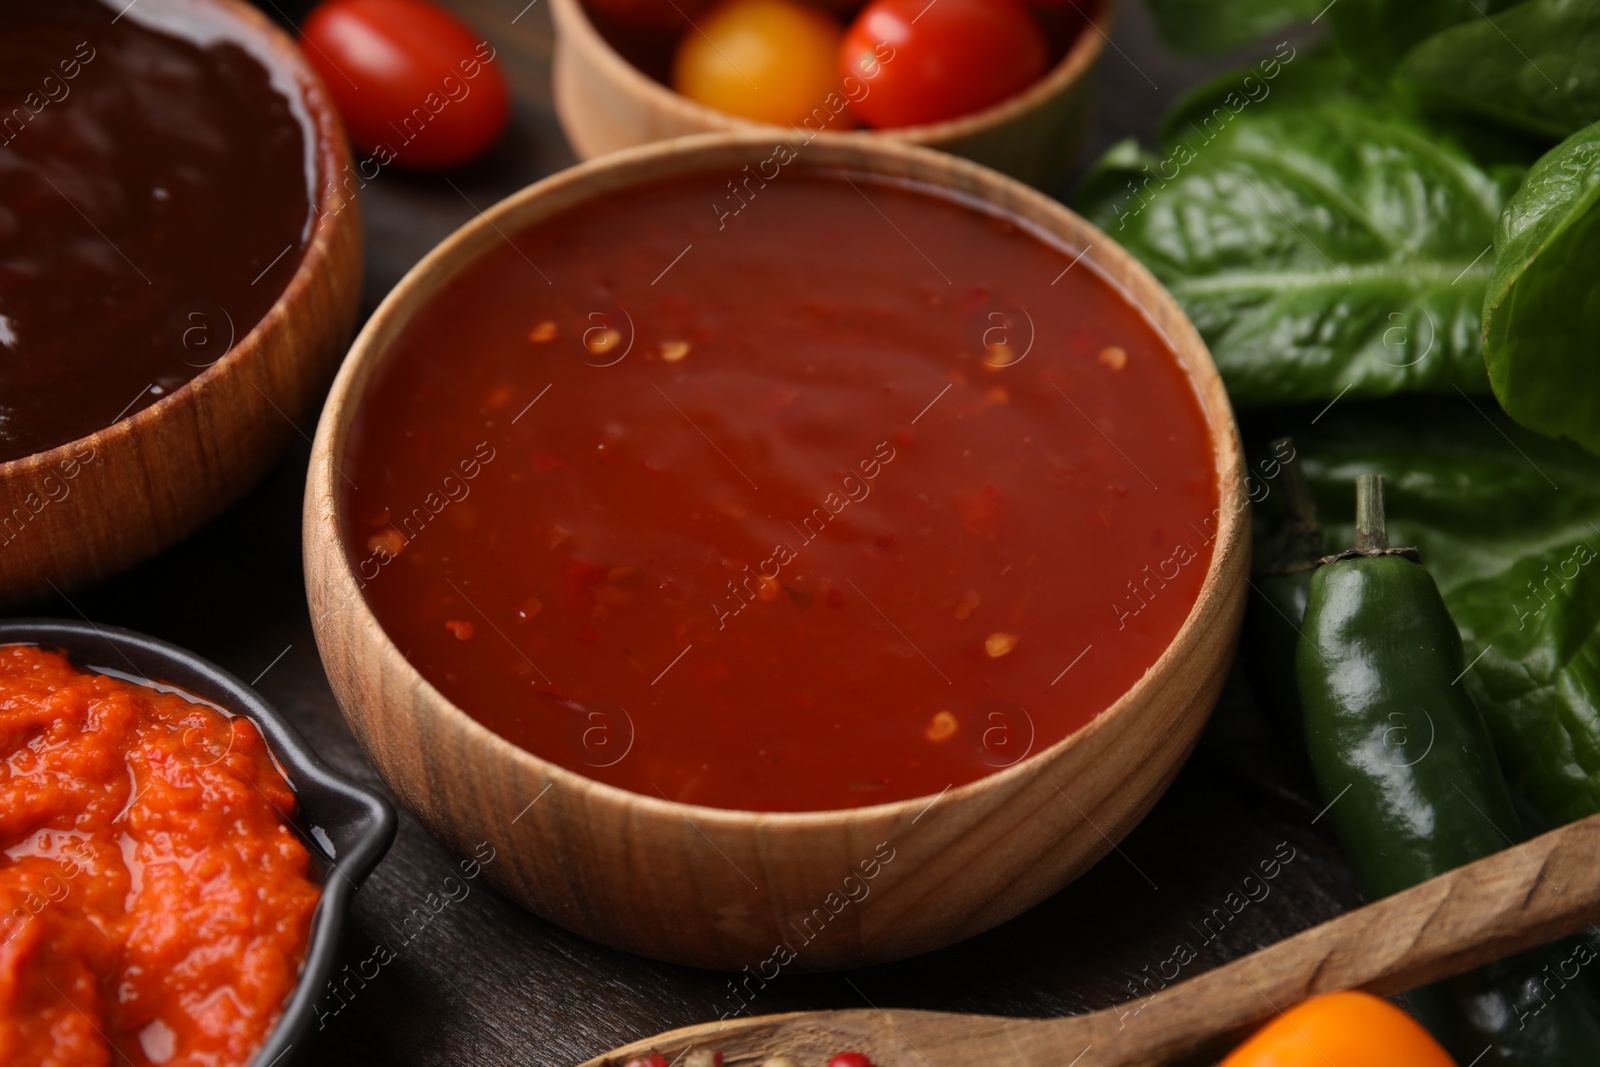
722 888
605 103
91 507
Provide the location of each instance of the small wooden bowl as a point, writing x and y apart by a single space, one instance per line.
721 888
91 507
605 103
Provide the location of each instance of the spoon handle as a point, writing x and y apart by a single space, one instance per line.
1516 899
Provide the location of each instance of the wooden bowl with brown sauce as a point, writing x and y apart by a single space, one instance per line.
181 272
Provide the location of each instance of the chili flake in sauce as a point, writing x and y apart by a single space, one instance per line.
154 905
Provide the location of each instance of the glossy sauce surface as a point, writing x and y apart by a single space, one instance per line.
845 497
156 906
155 198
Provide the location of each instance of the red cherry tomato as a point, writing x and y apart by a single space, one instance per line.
849 1059
925 62
649 14
415 85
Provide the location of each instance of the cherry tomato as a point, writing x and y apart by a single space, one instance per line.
415 86
925 62
850 1059
767 60
1341 1030
650 14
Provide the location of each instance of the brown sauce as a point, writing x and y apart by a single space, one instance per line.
155 198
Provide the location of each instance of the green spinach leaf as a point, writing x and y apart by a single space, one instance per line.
1290 77
1509 524
1375 34
1535 66
1322 244
1542 309
1206 27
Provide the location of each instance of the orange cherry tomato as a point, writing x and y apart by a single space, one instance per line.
927 62
766 60
415 86
1341 1030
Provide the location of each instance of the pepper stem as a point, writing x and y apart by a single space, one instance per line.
1372 533
1302 505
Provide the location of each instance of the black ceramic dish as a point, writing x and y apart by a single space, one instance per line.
347 827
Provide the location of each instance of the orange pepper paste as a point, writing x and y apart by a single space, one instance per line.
154 903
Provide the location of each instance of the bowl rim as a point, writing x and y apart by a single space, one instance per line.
1074 65
360 848
331 155
321 517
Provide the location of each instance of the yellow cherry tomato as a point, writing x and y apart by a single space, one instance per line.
768 60
1341 1030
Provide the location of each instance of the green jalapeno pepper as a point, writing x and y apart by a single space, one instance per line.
1404 762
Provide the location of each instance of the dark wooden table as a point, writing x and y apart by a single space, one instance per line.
486 983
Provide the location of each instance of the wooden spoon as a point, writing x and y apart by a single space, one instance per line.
1525 896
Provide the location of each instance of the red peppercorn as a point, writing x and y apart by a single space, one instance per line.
850 1059
653 1060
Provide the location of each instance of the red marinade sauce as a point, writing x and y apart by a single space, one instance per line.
846 495
154 905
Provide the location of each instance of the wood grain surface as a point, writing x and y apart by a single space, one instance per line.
476 980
